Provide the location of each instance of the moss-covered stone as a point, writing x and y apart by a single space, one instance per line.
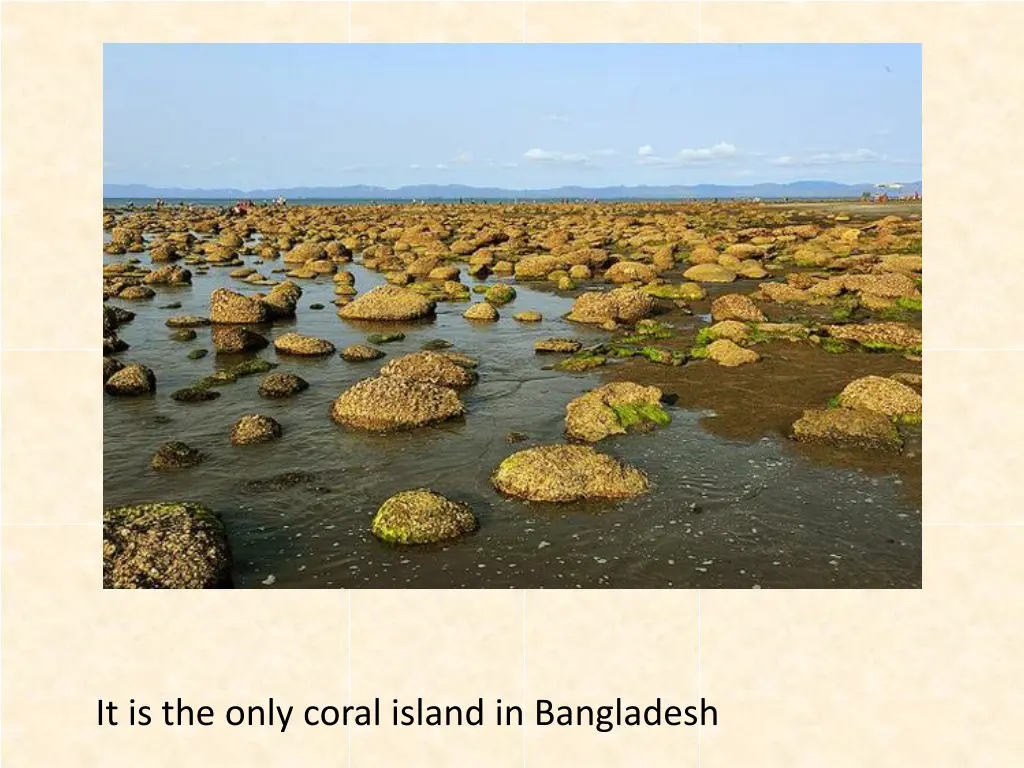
197 393
384 338
613 409
582 362
421 517
680 292
500 294
663 356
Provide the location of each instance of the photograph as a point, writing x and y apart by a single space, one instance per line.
493 316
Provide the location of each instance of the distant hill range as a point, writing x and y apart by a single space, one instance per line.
796 189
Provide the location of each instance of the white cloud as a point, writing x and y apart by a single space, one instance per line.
462 157
834 158
414 167
441 167
721 152
581 159
555 158
645 151
555 118
510 165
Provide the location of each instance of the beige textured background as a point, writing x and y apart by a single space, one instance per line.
800 679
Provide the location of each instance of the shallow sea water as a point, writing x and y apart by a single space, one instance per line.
721 513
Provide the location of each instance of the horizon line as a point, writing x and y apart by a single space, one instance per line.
511 189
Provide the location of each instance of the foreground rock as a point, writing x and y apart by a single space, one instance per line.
388 302
279 384
422 517
567 473
432 368
164 546
176 455
623 305
255 428
881 395
297 344
392 403
612 410
131 381
846 426
110 367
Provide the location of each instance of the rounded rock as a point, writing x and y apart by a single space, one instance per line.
422 517
280 384
255 428
567 473
130 381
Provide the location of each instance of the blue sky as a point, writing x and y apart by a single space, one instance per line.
514 116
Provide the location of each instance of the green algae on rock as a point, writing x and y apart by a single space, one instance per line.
422 517
169 545
385 338
582 361
613 409
500 294
197 393
847 426
676 292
